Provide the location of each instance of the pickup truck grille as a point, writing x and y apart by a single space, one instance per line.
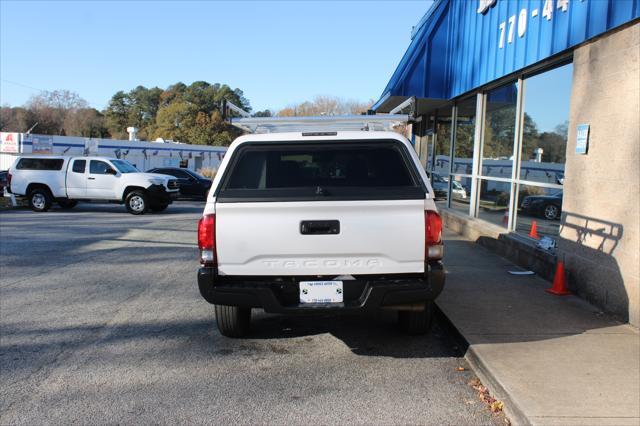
173 184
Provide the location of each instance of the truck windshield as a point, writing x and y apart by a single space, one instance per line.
124 166
331 169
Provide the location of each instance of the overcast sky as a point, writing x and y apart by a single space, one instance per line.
277 52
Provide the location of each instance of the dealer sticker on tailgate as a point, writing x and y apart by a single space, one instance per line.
321 292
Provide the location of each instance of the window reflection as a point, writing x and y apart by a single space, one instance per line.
545 126
494 202
442 146
542 205
460 193
465 127
430 154
545 115
499 132
439 175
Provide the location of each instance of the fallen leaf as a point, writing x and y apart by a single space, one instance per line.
496 406
460 369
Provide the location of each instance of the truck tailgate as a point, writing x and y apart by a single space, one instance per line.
265 238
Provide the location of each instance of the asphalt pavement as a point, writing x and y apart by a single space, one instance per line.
101 322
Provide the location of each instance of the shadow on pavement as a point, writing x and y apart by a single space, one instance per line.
375 334
372 337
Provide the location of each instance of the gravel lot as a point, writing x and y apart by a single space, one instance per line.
101 322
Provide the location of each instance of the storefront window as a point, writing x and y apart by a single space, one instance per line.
544 146
463 146
545 126
494 202
460 193
537 191
440 172
428 142
540 205
442 146
499 132
497 154
463 155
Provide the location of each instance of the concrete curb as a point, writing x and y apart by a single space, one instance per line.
488 377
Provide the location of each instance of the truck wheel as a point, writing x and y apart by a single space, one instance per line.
136 202
159 208
67 204
233 321
551 212
40 200
416 322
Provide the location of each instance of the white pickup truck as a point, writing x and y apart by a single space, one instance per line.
312 222
67 180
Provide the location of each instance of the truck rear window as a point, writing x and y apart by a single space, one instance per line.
307 170
40 164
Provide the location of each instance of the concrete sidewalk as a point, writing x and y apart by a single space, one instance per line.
552 360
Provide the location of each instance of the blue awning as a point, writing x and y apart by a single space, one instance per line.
422 70
459 46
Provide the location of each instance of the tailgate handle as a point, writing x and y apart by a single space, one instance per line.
319 227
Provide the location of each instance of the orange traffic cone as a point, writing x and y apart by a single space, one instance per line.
505 218
559 282
533 233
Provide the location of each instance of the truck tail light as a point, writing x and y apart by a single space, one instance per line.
9 179
434 248
207 239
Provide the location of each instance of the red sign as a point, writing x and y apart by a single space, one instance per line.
9 142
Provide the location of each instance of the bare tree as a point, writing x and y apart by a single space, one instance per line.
325 105
52 109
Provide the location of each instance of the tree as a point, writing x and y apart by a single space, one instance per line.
87 122
173 93
325 105
143 108
51 109
190 114
16 119
265 113
137 108
117 115
174 120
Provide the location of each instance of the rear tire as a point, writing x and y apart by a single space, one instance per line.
416 322
40 200
233 321
136 202
67 204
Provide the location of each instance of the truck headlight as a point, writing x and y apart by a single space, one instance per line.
156 181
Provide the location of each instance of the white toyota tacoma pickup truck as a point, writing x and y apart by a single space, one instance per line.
67 180
312 222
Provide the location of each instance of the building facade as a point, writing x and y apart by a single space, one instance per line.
526 114
144 155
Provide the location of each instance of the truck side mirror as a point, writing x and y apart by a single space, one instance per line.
111 172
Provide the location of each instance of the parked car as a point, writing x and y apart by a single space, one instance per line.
3 181
192 184
301 223
458 191
441 188
67 180
547 206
